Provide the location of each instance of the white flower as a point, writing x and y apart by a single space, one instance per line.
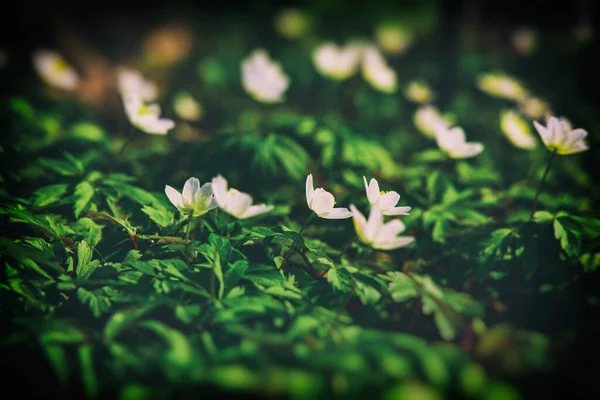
234 202
516 130
146 117
393 39
186 107
534 107
503 86
376 71
558 135
418 92
427 118
292 23
195 200
385 200
54 70
375 233
322 202
132 83
337 62
453 142
263 79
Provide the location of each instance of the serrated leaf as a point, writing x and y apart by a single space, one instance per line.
84 192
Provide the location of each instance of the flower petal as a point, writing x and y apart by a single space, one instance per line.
375 221
238 202
174 196
396 211
372 190
389 200
360 223
309 188
337 213
255 210
190 188
396 243
219 188
322 202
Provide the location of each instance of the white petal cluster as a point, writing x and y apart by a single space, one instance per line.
377 72
375 233
337 62
234 202
427 118
517 130
263 78
195 200
321 202
503 86
454 143
54 70
558 136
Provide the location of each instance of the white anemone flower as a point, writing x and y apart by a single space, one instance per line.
503 86
337 62
133 83
321 202
386 201
427 118
377 72
516 130
375 233
54 70
146 117
558 136
234 202
454 143
195 200
264 79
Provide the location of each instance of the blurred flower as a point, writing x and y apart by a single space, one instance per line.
262 78
534 107
375 233
54 70
453 142
500 85
132 82
321 202
418 92
524 41
386 200
337 62
516 130
186 107
558 135
234 202
195 200
168 45
146 117
393 39
376 71
292 23
427 118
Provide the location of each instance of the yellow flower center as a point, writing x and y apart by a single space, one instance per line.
61 65
145 110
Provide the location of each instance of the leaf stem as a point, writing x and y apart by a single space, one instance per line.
539 189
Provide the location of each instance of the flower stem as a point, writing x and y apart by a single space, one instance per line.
299 235
125 145
539 189
346 248
189 229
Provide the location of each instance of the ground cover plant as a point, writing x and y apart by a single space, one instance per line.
302 205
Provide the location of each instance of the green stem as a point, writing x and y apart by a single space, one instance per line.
539 189
125 145
299 235
189 229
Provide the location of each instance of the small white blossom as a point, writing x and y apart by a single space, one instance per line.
195 200
558 136
146 117
186 107
234 202
133 83
393 39
264 79
54 70
427 118
418 92
386 200
321 202
500 85
454 143
375 233
377 72
337 62
516 130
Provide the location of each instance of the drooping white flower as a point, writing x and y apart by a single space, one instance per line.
454 143
337 62
195 200
321 202
292 23
386 200
558 135
186 107
55 70
393 38
234 202
133 83
377 72
500 85
264 79
418 92
146 117
516 130
375 233
427 118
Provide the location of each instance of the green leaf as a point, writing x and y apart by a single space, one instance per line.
568 231
98 303
88 375
83 194
401 287
161 217
85 265
87 131
89 230
58 360
302 326
49 195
